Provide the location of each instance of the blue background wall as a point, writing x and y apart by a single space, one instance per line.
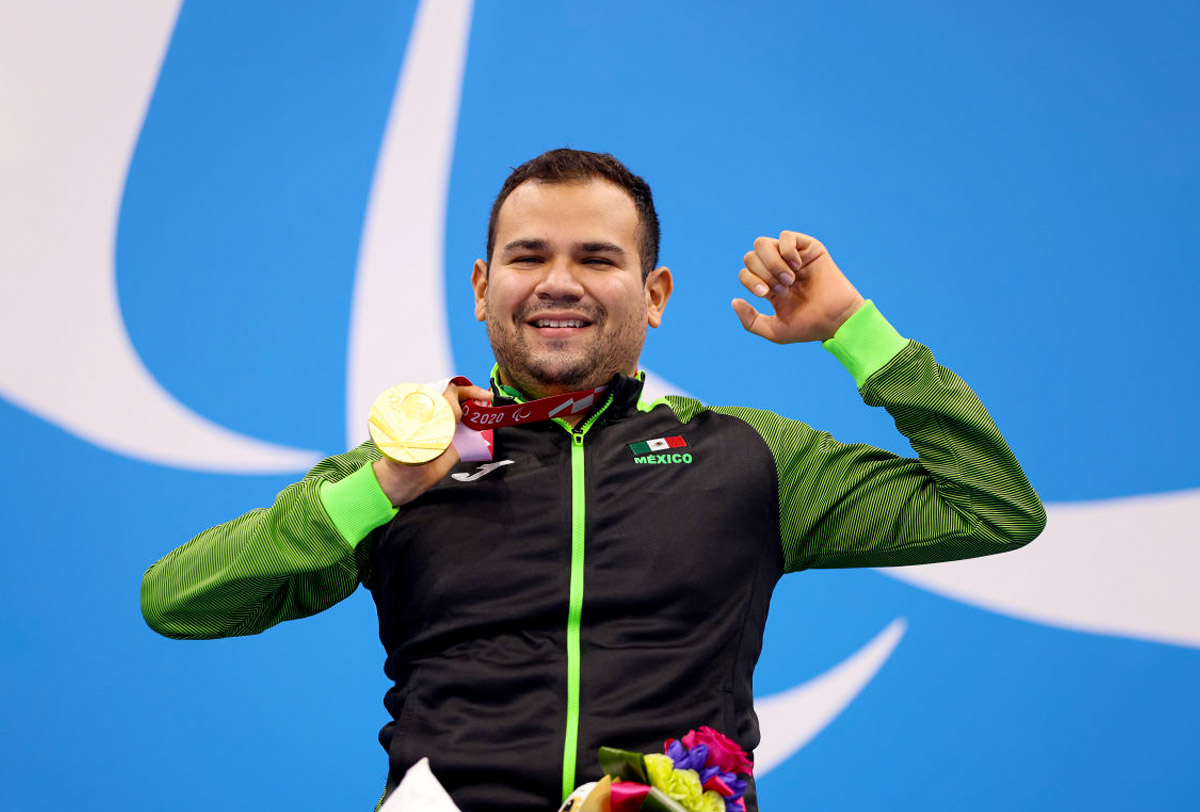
1016 185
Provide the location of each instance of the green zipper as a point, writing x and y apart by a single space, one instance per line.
575 606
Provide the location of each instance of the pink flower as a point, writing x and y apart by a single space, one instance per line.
723 752
627 796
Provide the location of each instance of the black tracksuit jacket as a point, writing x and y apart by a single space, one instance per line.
585 593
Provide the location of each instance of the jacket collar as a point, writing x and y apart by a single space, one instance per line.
623 389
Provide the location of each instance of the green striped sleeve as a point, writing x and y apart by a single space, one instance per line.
269 565
853 505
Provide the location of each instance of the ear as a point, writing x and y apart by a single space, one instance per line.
479 281
659 285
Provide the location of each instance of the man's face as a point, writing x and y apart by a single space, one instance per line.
563 299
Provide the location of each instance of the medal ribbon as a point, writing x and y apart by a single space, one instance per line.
473 437
498 417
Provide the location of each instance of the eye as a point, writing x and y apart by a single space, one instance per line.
526 260
597 261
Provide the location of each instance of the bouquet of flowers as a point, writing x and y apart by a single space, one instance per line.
698 773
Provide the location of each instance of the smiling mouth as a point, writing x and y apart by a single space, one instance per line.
559 323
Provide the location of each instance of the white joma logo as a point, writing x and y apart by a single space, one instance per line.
483 470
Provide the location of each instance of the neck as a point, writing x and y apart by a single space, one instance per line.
537 391
572 420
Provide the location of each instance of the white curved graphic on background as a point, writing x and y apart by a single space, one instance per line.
75 91
791 719
1120 566
398 327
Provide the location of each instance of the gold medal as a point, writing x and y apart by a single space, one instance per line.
411 423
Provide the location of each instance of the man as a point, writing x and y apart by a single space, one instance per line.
590 590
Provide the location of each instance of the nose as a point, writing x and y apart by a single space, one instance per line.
560 281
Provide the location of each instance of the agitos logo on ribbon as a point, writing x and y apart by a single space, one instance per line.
497 417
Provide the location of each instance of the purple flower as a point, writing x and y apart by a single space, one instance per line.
727 786
736 784
686 759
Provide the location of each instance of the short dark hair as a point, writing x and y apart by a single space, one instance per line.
576 166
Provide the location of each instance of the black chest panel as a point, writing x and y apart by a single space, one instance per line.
472 584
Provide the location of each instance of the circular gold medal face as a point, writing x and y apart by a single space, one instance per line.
411 423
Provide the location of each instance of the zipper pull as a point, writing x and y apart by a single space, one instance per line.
577 438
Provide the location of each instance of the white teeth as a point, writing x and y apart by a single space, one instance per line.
557 323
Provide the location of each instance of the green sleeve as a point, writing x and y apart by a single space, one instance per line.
288 561
853 505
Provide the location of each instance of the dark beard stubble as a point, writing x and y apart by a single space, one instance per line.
590 365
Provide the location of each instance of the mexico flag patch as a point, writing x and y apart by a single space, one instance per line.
658 444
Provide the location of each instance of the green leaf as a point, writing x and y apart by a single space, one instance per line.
623 765
659 801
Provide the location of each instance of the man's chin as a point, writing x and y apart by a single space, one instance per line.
553 379
568 381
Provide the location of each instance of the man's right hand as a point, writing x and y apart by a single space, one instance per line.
404 483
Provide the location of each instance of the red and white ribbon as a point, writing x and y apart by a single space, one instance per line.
473 436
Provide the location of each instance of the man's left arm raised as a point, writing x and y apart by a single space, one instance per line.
845 505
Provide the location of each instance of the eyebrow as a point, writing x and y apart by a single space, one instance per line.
595 247
601 248
527 245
